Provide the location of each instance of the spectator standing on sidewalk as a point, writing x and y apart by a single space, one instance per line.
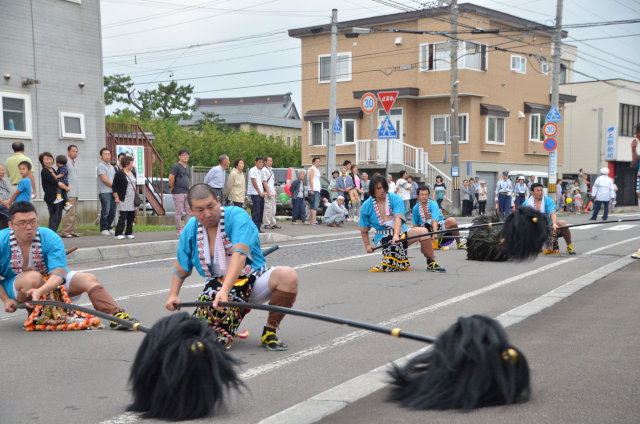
482 197
602 192
520 190
403 189
332 185
314 189
365 185
583 179
11 167
236 184
124 191
23 192
298 194
504 189
439 191
255 189
559 198
391 184
5 195
69 224
216 177
357 184
269 184
106 172
344 183
50 185
413 195
179 186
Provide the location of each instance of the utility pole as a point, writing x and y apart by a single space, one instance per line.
331 141
453 121
555 90
599 158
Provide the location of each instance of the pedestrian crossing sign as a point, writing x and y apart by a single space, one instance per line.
553 115
337 125
387 131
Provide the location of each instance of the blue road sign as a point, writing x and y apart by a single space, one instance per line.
337 125
387 130
550 144
553 115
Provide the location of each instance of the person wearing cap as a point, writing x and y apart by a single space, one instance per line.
520 190
334 212
602 191
504 188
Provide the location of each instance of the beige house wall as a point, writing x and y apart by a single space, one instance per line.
288 135
376 60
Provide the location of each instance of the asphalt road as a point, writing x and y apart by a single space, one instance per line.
82 377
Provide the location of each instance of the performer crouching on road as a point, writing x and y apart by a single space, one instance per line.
545 204
223 245
385 213
30 253
426 213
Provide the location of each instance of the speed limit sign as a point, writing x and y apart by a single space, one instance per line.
368 103
550 129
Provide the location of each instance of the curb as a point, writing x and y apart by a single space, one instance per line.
137 250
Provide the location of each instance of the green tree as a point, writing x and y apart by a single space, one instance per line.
169 102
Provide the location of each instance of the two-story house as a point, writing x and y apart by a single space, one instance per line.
503 83
274 115
51 88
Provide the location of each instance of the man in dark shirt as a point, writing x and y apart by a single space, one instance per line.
179 185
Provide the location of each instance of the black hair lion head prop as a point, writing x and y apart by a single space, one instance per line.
180 371
471 365
485 243
525 231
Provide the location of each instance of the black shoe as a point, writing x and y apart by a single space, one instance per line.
271 342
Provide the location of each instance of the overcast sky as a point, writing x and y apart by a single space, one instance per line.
202 42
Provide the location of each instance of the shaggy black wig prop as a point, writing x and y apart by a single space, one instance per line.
525 232
180 371
471 365
485 243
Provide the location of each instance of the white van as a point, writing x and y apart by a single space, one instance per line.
541 177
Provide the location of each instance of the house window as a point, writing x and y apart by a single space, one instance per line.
343 71
348 131
495 130
535 128
544 66
518 64
629 117
15 116
440 127
318 133
435 56
475 56
563 73
72 125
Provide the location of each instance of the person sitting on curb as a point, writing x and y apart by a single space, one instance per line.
334 212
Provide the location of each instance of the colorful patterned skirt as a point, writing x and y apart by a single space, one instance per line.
54 318
227 321
394 256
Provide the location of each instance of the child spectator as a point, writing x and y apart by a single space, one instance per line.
23 192
577 199
63 176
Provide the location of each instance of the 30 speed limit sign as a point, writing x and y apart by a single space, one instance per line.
550 129
368 103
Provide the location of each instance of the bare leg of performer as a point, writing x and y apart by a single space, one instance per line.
451 223
283 284
426 248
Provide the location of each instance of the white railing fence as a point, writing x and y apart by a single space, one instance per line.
374 152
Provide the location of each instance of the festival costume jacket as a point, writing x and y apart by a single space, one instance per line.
433 208
369 218
241 235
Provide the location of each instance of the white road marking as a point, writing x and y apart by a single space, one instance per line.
586 227
619 227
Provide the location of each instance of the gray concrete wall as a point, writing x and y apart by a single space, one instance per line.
59 43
